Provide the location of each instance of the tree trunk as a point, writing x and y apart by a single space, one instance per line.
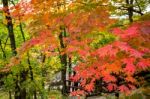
63 59
23 89
17 89
19 93
10 95
9 26
70 71
130 9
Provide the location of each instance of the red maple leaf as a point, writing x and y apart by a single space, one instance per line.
130 68
123 89
89 87
143 63
111 87
109 78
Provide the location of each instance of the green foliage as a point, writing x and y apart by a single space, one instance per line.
3 95
133 96
102 38
8 82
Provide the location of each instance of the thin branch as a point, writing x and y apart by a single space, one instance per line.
140 10
12 2
136 11
125 8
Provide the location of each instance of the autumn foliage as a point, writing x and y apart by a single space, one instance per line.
67 30
116 64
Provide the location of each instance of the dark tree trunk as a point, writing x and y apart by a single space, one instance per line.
9 26
70 71
10 95
130 9
23 89
19 93
63 59
17 89
12 41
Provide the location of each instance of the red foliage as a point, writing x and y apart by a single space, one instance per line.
123 89
116 63
111 87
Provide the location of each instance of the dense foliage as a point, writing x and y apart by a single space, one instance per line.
85 40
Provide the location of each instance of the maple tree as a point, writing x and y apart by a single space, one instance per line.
117 63
115 58
58 36
61 33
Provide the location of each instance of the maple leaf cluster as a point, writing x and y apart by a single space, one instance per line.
47 31
117 64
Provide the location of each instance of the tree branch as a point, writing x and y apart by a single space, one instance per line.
140 10
126 8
